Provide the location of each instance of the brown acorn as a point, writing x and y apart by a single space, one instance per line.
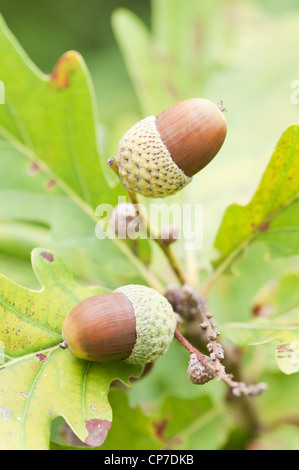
133 323
159 155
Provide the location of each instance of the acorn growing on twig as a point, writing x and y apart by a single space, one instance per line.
159 155
124 220
134 323
199 373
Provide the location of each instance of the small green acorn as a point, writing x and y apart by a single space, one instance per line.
134 323
159 155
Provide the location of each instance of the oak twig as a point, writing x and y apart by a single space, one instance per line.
238 388
188 303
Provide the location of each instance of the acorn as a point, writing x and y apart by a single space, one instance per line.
121 219
198 373
159 155
134 323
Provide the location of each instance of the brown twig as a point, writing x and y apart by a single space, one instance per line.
211 366
217 369
191 305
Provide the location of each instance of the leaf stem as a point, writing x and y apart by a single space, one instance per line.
164 247
14 360
86 207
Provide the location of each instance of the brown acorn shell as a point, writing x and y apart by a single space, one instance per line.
101 328
193 131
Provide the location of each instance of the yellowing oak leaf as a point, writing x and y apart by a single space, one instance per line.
40 381
271 216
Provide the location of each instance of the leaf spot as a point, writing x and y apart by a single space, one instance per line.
264 226
34 168
47 256
42 357
4 414
50 185
160 428
67 64
97 431
284 348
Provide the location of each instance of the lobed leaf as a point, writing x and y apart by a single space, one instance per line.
272 215
284 437
52 118
276 311
38 380
178 424
36 389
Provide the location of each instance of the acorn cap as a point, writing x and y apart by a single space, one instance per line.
155 323
133 323
159 155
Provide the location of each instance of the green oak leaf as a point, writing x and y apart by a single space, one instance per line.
132 429
280 402
195 424
40 381
261 331
276 310
287 356
283 437
272 214
52 119
192 424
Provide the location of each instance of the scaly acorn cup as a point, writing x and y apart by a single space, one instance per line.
159 155
134 323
